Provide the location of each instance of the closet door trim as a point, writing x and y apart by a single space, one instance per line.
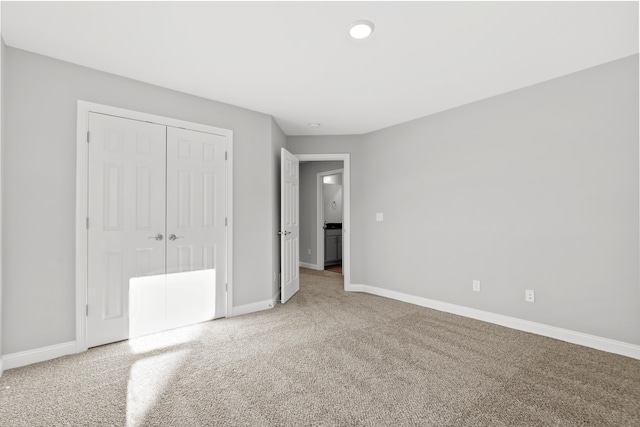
82 155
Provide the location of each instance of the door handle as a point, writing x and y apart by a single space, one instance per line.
284 232
157 237
173 237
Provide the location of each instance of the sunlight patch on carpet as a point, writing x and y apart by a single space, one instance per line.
162 340
147 381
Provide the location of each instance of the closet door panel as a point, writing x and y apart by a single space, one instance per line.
196 264
126 210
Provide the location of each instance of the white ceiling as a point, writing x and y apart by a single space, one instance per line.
295 60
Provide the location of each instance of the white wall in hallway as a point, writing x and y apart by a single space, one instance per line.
332 200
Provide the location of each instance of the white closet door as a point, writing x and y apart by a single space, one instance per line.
126 205
196 230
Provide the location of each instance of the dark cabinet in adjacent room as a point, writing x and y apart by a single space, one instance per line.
332 246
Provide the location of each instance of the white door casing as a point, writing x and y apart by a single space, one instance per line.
86 222
127 222
289 225
196 231
345 158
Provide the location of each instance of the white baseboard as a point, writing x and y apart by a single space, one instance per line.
23 358
310 266
1 366
253 307
592 341
359 288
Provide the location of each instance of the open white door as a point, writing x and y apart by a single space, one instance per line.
289 225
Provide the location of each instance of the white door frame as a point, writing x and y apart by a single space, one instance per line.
1 215
346 213
320 214
82 158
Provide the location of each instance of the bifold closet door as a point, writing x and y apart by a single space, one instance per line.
156 228
126 224
196 230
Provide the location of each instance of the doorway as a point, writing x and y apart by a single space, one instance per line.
153 229
346 223
330 218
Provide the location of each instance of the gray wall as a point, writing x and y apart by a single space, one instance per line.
534 189
309 209
278 141
39 193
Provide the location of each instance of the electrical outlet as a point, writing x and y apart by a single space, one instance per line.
379 217
529 295
476 285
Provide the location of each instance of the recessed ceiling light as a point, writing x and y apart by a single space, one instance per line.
314 125
361 29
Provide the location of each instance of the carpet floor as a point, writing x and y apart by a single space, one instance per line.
329 358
